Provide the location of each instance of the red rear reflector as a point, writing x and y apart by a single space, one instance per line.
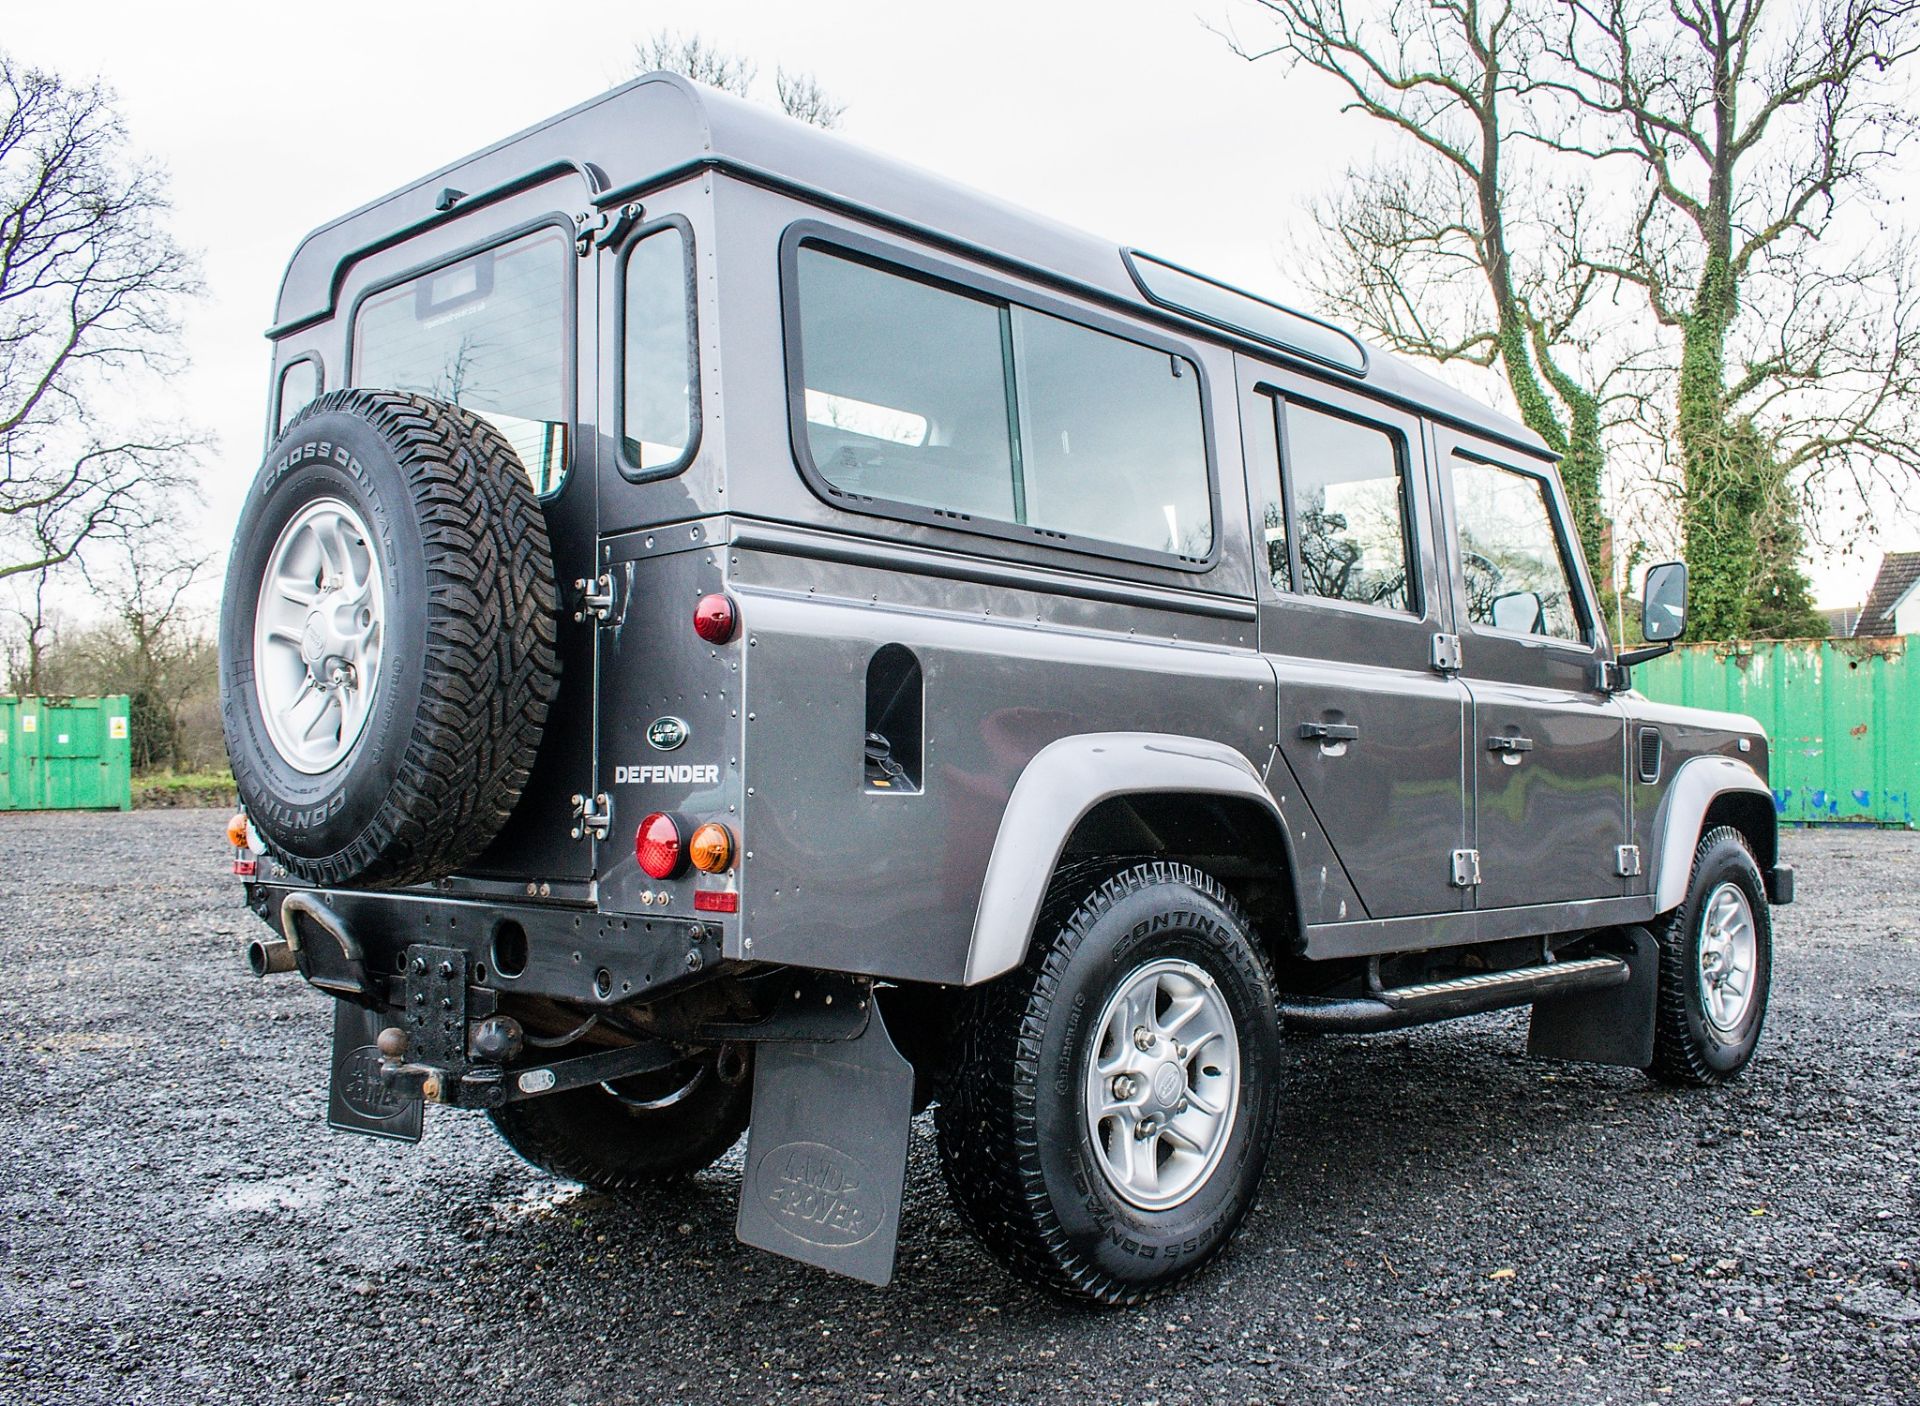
657 845
706 901
246 868
715 618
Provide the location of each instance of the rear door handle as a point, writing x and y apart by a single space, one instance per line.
1509 744
1329 732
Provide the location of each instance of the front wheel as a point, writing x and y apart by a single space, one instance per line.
1716 967
1107 1122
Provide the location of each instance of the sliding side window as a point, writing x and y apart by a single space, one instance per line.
979 410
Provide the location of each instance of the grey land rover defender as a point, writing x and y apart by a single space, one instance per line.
736 634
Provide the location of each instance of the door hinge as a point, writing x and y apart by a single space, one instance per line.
1446 653
592 817
596 598
1627 861
1611 676
1466 868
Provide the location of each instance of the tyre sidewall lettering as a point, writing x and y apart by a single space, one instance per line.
1105 1228
328 455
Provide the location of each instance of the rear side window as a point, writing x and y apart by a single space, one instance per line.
488 333
657 352
1349 501
299 386
1516 576
972 407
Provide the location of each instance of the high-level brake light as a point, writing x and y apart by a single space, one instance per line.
715 618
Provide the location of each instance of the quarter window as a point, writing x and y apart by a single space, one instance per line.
657 378
1349 500
924 394
488 333
299 385
1516 577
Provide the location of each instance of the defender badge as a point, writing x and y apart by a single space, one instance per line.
664 734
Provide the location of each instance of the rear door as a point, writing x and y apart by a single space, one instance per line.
1548 745
1370 731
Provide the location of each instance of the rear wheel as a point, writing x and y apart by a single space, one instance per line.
1716 967
1108 1118
634 1132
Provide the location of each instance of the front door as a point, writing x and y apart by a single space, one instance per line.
1548 745
1350 603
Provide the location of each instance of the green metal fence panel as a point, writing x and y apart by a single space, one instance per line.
1843 716
65 754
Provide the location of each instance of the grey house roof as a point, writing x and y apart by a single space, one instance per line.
661 128
1899 573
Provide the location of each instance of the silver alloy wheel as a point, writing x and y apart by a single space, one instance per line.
1163 1083
1729 955
318 635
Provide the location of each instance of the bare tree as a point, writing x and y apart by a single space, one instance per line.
89 285
1433 253
1780 342
1751 124
802 97
799 95
698 58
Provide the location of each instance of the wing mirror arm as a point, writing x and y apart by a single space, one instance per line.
1627 658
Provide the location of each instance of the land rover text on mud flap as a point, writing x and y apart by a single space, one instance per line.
735 634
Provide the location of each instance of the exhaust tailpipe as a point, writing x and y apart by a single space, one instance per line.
269 956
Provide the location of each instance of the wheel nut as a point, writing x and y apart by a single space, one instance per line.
1148 1127
1123 1086
1143 1038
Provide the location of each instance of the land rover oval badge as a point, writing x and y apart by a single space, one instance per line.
664 734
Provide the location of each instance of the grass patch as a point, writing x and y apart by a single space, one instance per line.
163 789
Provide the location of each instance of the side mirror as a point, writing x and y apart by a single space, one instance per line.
1519 611
1663 603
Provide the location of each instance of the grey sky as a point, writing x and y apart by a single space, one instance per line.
1124 117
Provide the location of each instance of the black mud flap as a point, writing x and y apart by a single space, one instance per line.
827 1153
358 1099
1610 1026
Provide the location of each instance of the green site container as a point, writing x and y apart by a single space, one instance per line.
1843 716
65 754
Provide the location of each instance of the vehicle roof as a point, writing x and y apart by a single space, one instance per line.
662 126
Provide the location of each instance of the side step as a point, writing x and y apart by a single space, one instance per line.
1395 1008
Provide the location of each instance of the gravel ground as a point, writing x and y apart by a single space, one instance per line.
1443 1220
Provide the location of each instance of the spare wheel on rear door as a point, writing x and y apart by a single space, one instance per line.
386 640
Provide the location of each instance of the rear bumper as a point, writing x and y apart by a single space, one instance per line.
567 954
1780 885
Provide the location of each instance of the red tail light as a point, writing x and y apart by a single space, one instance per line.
715 618
658 846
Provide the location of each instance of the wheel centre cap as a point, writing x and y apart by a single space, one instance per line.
313 637
1169 1082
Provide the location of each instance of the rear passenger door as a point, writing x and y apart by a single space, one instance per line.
1369 730
1548 745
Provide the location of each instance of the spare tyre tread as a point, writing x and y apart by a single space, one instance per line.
490 665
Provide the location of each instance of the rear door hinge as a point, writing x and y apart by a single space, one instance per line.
592 817
1466 868
1626 861
1446 653
596 598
